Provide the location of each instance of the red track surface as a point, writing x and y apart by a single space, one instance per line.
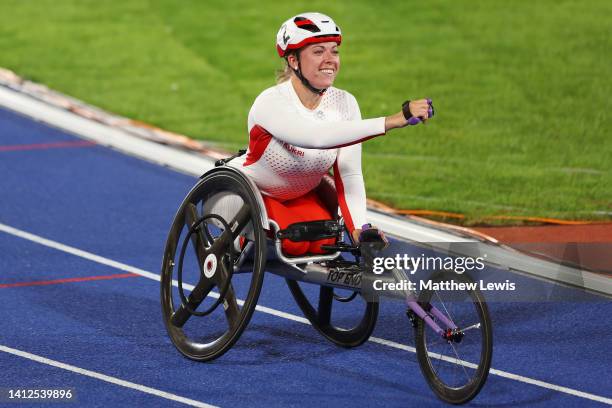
67 280
44 146
588 245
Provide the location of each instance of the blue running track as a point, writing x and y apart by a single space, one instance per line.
101 320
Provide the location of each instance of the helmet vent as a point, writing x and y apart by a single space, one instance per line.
306 24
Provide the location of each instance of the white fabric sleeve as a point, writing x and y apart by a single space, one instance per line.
349 178
272 112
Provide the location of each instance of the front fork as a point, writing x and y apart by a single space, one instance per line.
428 313
425 311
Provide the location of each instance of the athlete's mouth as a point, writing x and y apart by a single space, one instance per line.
327 71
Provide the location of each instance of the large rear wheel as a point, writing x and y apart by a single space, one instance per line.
344 328
213 265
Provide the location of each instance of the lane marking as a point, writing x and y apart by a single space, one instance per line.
68 280
77 252
121 266
104 377
45 146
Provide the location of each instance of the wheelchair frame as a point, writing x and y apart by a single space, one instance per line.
217 266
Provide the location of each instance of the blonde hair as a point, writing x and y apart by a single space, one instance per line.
283 75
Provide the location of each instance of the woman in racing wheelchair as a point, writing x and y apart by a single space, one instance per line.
299 130
303 127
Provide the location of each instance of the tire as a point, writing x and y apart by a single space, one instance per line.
321 317
442 361
200 249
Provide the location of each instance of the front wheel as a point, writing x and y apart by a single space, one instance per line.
456 366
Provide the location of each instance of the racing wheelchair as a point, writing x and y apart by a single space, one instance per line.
221 240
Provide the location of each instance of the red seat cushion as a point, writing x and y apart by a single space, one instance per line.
305 208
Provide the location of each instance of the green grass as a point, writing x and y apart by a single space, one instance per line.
522 89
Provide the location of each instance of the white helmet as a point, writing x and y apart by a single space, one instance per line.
306 28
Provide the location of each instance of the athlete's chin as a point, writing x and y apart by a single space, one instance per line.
324 83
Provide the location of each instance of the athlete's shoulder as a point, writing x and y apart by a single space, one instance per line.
350 97
268 102
273 93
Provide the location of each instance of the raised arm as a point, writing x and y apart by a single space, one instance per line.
277 116
272 112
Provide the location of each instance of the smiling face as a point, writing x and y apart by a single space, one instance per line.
320 63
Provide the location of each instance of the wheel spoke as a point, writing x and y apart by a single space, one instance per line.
191 215
436 342
209 237
197 239
437 363
230 304
444 306
240 221
243 255
459 361
449 316
232 311
197 295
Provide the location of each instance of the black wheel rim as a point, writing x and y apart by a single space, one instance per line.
322 321
214 336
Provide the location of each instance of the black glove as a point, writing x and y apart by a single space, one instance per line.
373 236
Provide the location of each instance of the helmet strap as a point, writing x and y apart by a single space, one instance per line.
302 78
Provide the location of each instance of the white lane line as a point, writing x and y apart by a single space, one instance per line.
77 252
104 377
121 266
503 374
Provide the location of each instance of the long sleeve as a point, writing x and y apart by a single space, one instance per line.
272 112
348 178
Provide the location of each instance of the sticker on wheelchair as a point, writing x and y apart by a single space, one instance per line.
348 278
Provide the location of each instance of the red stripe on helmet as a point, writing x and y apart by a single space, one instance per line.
304 22
310 40
313 40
